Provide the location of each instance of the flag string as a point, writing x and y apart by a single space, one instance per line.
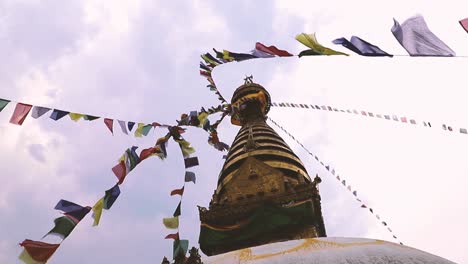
401 119
341 180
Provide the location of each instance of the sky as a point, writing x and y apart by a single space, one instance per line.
138 60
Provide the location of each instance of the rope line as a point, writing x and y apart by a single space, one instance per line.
342 181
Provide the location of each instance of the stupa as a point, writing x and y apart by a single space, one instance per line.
266 208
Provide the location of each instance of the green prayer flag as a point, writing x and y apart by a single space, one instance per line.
63 227
3 103
180 247
146 129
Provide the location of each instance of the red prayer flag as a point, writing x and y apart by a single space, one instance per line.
120 171
109 123
39 251
155 124
464 24
146 153
178 191
272 50
404 120
20 113
173 236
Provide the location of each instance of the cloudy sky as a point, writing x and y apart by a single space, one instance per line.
138 60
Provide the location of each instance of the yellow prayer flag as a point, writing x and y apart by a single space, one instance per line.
139 130
97 211
310 41
75 116
202 117
185 147
171 222
227 56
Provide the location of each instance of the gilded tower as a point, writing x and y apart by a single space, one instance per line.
264 192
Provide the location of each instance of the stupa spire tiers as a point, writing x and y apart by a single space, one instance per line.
264 192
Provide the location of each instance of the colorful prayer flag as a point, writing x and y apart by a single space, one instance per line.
130 125
272 50
416 38
3 103
180 247
171 222
464 24
261 54
109 124
38 111
63 227
120 171
123 126
90 117
237 56
75 116
191 162
139 130
97 211
177 210
75 211
185 148
178 191
57 114
110 196
20 113
173 236
190 177
36 251
361 47
146 129
316 48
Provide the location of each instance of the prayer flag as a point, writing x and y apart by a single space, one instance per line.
190 177
75 116
38 111
109 123
384 223
75 211
57 114
261 54
361 47
272 50
110 196
412 121
178 191
139 130
171 222
130 125
185 148
204 67
173 236
36 251
97 211
146 129
90 117
464 24
63 227
316 48
237 56
403 119
180 247
363 206
191 162
105 202
120 171
370 209
463 131
418 40
177 210
20 113
3 103
123 126
355 193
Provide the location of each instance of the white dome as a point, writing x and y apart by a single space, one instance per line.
324 250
